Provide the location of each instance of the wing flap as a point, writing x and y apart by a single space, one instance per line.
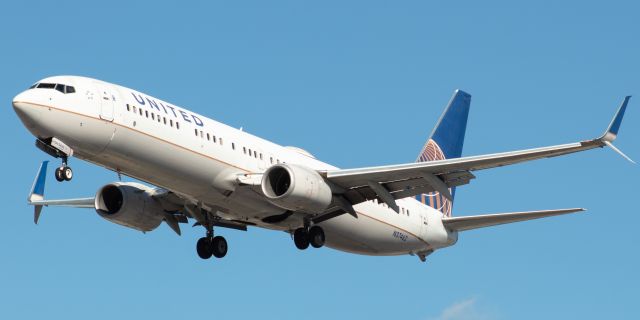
465 223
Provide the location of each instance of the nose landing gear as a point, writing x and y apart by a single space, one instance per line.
58 149
64 172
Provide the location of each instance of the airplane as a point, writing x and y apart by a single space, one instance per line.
198 169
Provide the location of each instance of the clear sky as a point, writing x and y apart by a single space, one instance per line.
357 84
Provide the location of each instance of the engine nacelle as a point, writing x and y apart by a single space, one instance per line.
129 204
296 188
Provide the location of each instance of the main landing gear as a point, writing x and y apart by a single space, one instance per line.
64 172
303 237
209 245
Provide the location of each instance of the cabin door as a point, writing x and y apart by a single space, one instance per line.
107 101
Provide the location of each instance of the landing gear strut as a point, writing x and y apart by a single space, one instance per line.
64 172
303 237
209 245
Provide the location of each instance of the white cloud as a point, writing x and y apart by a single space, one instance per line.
463 310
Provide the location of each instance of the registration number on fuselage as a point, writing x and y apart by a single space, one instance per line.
400 235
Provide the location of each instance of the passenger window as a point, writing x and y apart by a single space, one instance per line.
140 111
208 137
244 150
135 109
233 146
177 125
220 141
128 108
214 139
153 116
164 119
171 123
146 113
196 131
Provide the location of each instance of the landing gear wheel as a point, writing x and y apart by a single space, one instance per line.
58 174
67 173
219 246
204 248
301 238
316 237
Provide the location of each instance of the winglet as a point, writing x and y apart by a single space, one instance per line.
37 190
614 126
612 131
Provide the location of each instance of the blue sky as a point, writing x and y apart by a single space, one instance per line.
357 84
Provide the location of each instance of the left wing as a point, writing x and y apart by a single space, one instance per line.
405 180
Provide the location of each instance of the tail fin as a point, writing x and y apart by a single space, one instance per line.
446 142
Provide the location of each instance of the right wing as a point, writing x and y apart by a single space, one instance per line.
388 183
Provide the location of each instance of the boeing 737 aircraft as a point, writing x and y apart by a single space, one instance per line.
200 169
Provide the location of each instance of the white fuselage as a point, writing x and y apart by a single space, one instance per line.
201 160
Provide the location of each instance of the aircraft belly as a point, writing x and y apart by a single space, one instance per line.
369 236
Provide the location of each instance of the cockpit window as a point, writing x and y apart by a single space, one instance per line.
60 87
46 85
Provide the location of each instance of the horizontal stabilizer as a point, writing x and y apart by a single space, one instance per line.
488 220
37 200
74 203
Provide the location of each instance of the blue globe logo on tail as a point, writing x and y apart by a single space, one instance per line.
432 152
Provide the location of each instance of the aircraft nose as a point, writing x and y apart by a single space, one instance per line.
25 109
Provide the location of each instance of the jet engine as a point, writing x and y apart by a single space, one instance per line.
129 204
296 188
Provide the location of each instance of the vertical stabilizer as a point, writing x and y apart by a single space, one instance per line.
446 142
